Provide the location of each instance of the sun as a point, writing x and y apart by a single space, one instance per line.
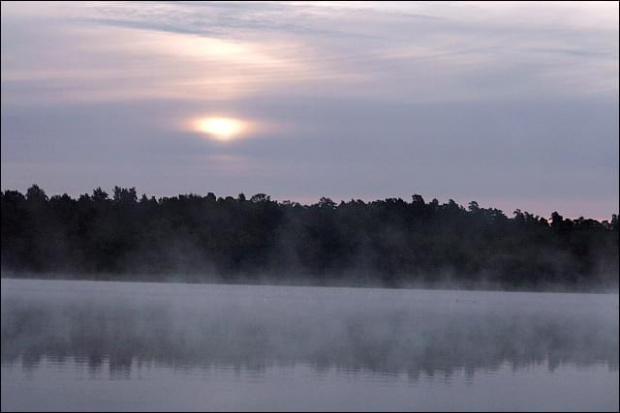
220 128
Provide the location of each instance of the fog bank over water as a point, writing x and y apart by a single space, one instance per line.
119 346
249 327
309 206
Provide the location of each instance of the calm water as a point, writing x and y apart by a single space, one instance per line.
121 346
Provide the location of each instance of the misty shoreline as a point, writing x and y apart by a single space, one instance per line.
390 243
307 283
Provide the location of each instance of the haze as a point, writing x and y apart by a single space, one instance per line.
513 105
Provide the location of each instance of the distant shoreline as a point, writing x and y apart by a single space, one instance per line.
390 243
248 282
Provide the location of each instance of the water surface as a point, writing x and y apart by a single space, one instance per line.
129 346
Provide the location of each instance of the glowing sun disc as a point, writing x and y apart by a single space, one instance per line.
220 128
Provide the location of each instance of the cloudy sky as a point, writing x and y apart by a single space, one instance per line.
514 105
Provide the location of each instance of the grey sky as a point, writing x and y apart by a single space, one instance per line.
514 105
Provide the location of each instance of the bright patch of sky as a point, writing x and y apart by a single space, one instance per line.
512 104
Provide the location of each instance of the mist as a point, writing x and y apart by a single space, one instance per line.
309 206
391 242
123 331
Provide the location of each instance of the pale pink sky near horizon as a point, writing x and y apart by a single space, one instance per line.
512 104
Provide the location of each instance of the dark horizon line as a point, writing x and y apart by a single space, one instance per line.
241 197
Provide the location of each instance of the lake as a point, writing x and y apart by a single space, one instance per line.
73 346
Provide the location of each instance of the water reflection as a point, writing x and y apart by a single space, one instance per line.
127 328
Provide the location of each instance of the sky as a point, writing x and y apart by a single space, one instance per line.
514 105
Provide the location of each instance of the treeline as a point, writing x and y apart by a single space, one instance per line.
390 242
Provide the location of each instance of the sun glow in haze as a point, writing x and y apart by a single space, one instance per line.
220 128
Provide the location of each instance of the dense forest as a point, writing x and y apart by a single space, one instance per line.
388 242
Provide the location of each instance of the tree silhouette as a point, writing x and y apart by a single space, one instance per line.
390 242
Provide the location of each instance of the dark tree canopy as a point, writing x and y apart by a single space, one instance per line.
389 242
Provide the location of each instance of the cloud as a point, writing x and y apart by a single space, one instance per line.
227 51
514 102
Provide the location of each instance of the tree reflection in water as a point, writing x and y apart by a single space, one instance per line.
431 334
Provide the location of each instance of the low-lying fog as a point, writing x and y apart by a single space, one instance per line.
456 340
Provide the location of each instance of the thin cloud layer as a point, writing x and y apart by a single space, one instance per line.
512 104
